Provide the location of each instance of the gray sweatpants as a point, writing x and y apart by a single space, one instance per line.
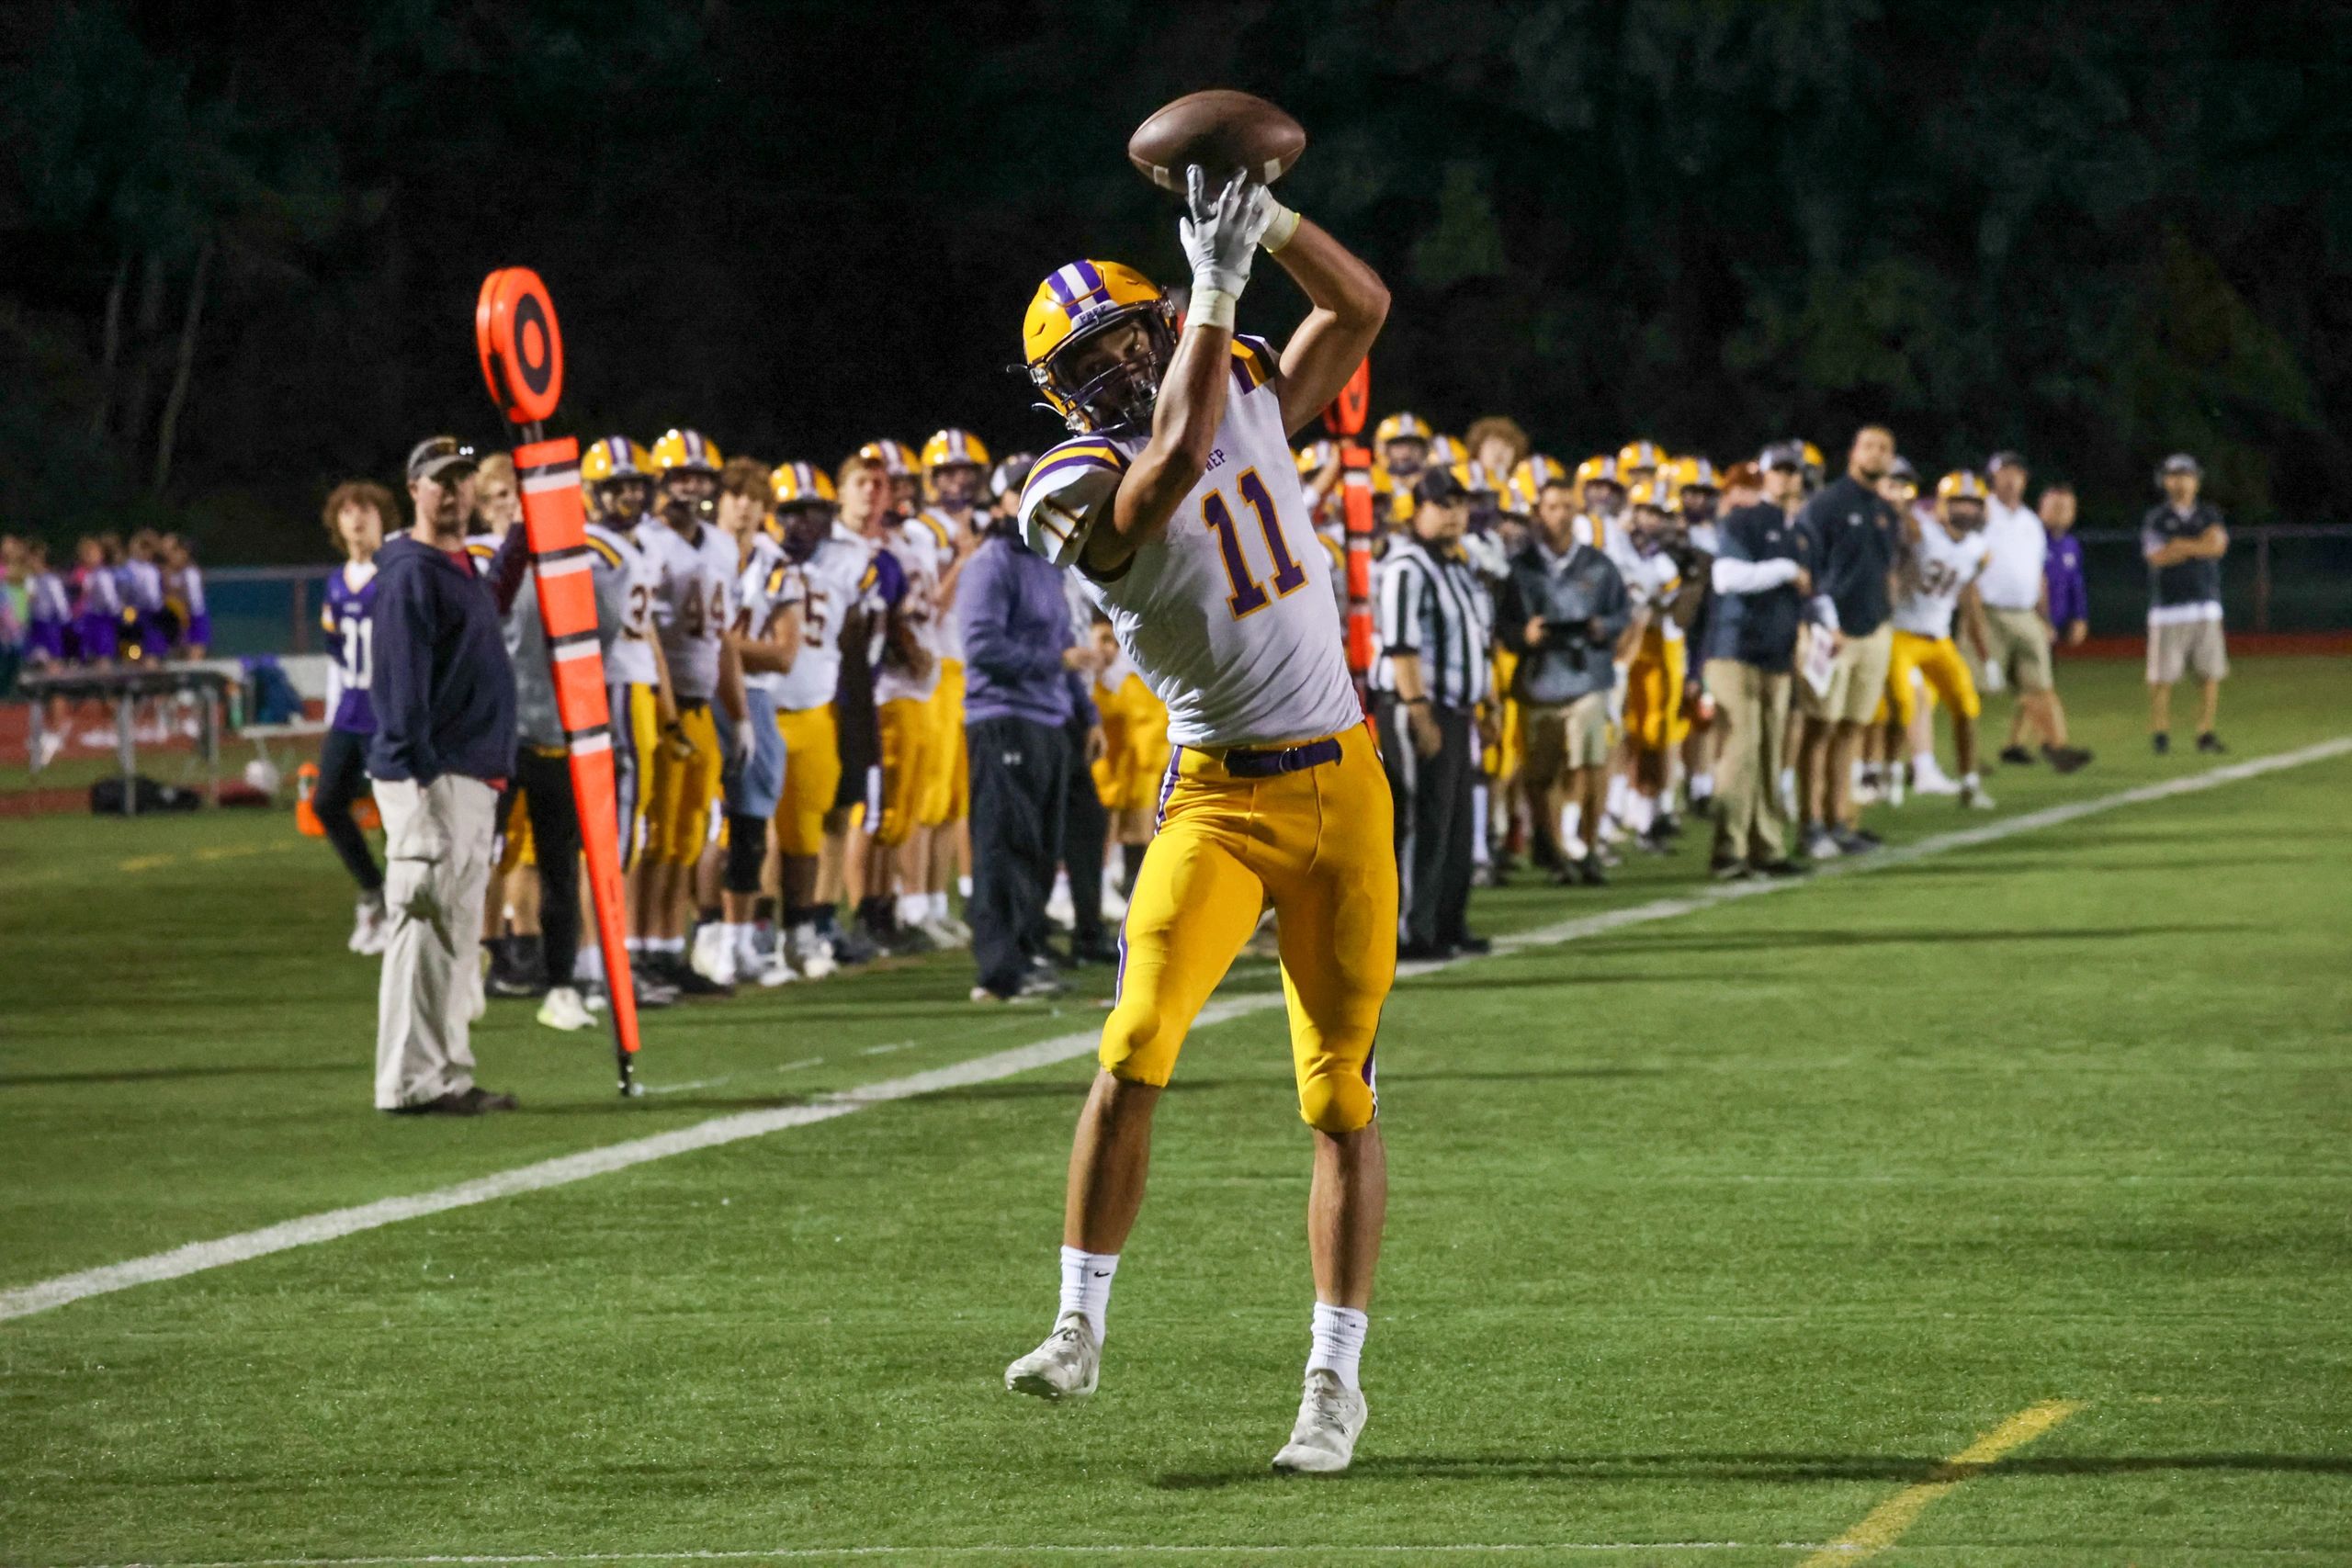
436 871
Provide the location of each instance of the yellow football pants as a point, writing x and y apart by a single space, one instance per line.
907 735
1653 697
1941 668
812 774
637 731
947 794
677 820
1321 846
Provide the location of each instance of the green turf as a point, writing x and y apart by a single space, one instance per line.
1722 1228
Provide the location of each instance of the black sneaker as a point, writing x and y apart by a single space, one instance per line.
1471 945
2211 743
1783 868
1042 982
2066 758
510 985
1730 871
474 1102
1102 951
1420 952
854 946
2019 757
1667 826
1854 842
1588 872
2160 743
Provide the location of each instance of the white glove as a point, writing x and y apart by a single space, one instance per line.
1221 233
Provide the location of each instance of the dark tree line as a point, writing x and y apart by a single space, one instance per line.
239 245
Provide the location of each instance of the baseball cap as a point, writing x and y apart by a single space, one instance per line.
438 455
1439 488
2003 459
2180 463
1743 476
1901 468
1783 455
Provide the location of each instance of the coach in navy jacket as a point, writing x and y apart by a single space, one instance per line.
444 695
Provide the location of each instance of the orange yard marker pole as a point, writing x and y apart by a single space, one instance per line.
522 362
1345 420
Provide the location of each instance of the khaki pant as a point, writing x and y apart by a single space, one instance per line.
1856 681
1562 736
2016 644
1752 717
437 870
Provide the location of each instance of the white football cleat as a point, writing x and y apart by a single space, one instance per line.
963 932
1067 1366
1973 797
812 954
1927 778
51 743
564 1009
713 954
1330 1418
779 970
942 935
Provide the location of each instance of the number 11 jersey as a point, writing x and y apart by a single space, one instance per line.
1227 612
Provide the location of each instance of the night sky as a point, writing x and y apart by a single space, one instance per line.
2097 232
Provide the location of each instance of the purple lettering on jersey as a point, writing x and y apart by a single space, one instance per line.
349 612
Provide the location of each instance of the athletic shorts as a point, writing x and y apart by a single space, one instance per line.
2186 647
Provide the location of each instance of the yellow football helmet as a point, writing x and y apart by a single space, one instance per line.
1528 480
797 484
952 445
1073 304
897 459
1636 454
687 451
1813 469
1599 469
1445 451
615 457
1961 485
1400 427
1697 473
1647 494
1314 457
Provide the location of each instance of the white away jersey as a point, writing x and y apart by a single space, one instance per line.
1228 612
694 603
1650 581
1933 574
827 584
922 555
942 532
617 556
765 586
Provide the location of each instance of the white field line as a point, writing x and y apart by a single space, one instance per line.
730 1078
197 1257
817 1554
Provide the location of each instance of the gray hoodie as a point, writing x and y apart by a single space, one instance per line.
1567 592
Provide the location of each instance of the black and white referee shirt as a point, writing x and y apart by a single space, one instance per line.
1434 603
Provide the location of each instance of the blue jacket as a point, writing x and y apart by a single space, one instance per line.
443 689
1016 627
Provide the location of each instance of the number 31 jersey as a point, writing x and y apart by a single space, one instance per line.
1228 612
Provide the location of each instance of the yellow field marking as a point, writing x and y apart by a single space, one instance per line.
1879 1529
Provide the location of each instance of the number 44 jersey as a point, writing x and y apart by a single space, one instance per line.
1227 612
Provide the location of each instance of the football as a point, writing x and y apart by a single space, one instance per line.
1222 131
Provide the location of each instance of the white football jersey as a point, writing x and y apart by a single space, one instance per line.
922 555
694 602
1934 571
1227 612
826 586
945 532
1650 581
616 554
764 587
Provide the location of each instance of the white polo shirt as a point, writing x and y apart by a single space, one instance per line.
2012 579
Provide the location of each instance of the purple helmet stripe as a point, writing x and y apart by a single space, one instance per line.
1093 278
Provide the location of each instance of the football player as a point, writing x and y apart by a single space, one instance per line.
694 603
900 462
616 477
355 516
864 486
1640 463
1400 449
1600 491
827 572
1698 493
1177 499
1937 577
1655 660
954 475
905 677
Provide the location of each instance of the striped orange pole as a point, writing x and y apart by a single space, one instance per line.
1345 420
522 360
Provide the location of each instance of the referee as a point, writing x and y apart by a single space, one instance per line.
1437 642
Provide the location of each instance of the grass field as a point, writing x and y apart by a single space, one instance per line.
1719 1226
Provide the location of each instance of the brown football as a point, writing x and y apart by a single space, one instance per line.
1223 131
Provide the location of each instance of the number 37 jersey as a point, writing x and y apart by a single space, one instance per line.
1228 612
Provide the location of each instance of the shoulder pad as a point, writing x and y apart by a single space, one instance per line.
1254 363
606 551
1070 488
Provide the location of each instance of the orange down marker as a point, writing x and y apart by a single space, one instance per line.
522 361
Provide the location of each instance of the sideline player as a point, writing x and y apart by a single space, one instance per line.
827 571
954 478
1179 500
1941 561
355 515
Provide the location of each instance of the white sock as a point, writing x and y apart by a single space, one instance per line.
1571 827
964 885
674 944
1619 792
747 950
1338 1342
1086 1286
1969 779
635 945
937 903
913 909
1478 852
1640 811
1703 788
